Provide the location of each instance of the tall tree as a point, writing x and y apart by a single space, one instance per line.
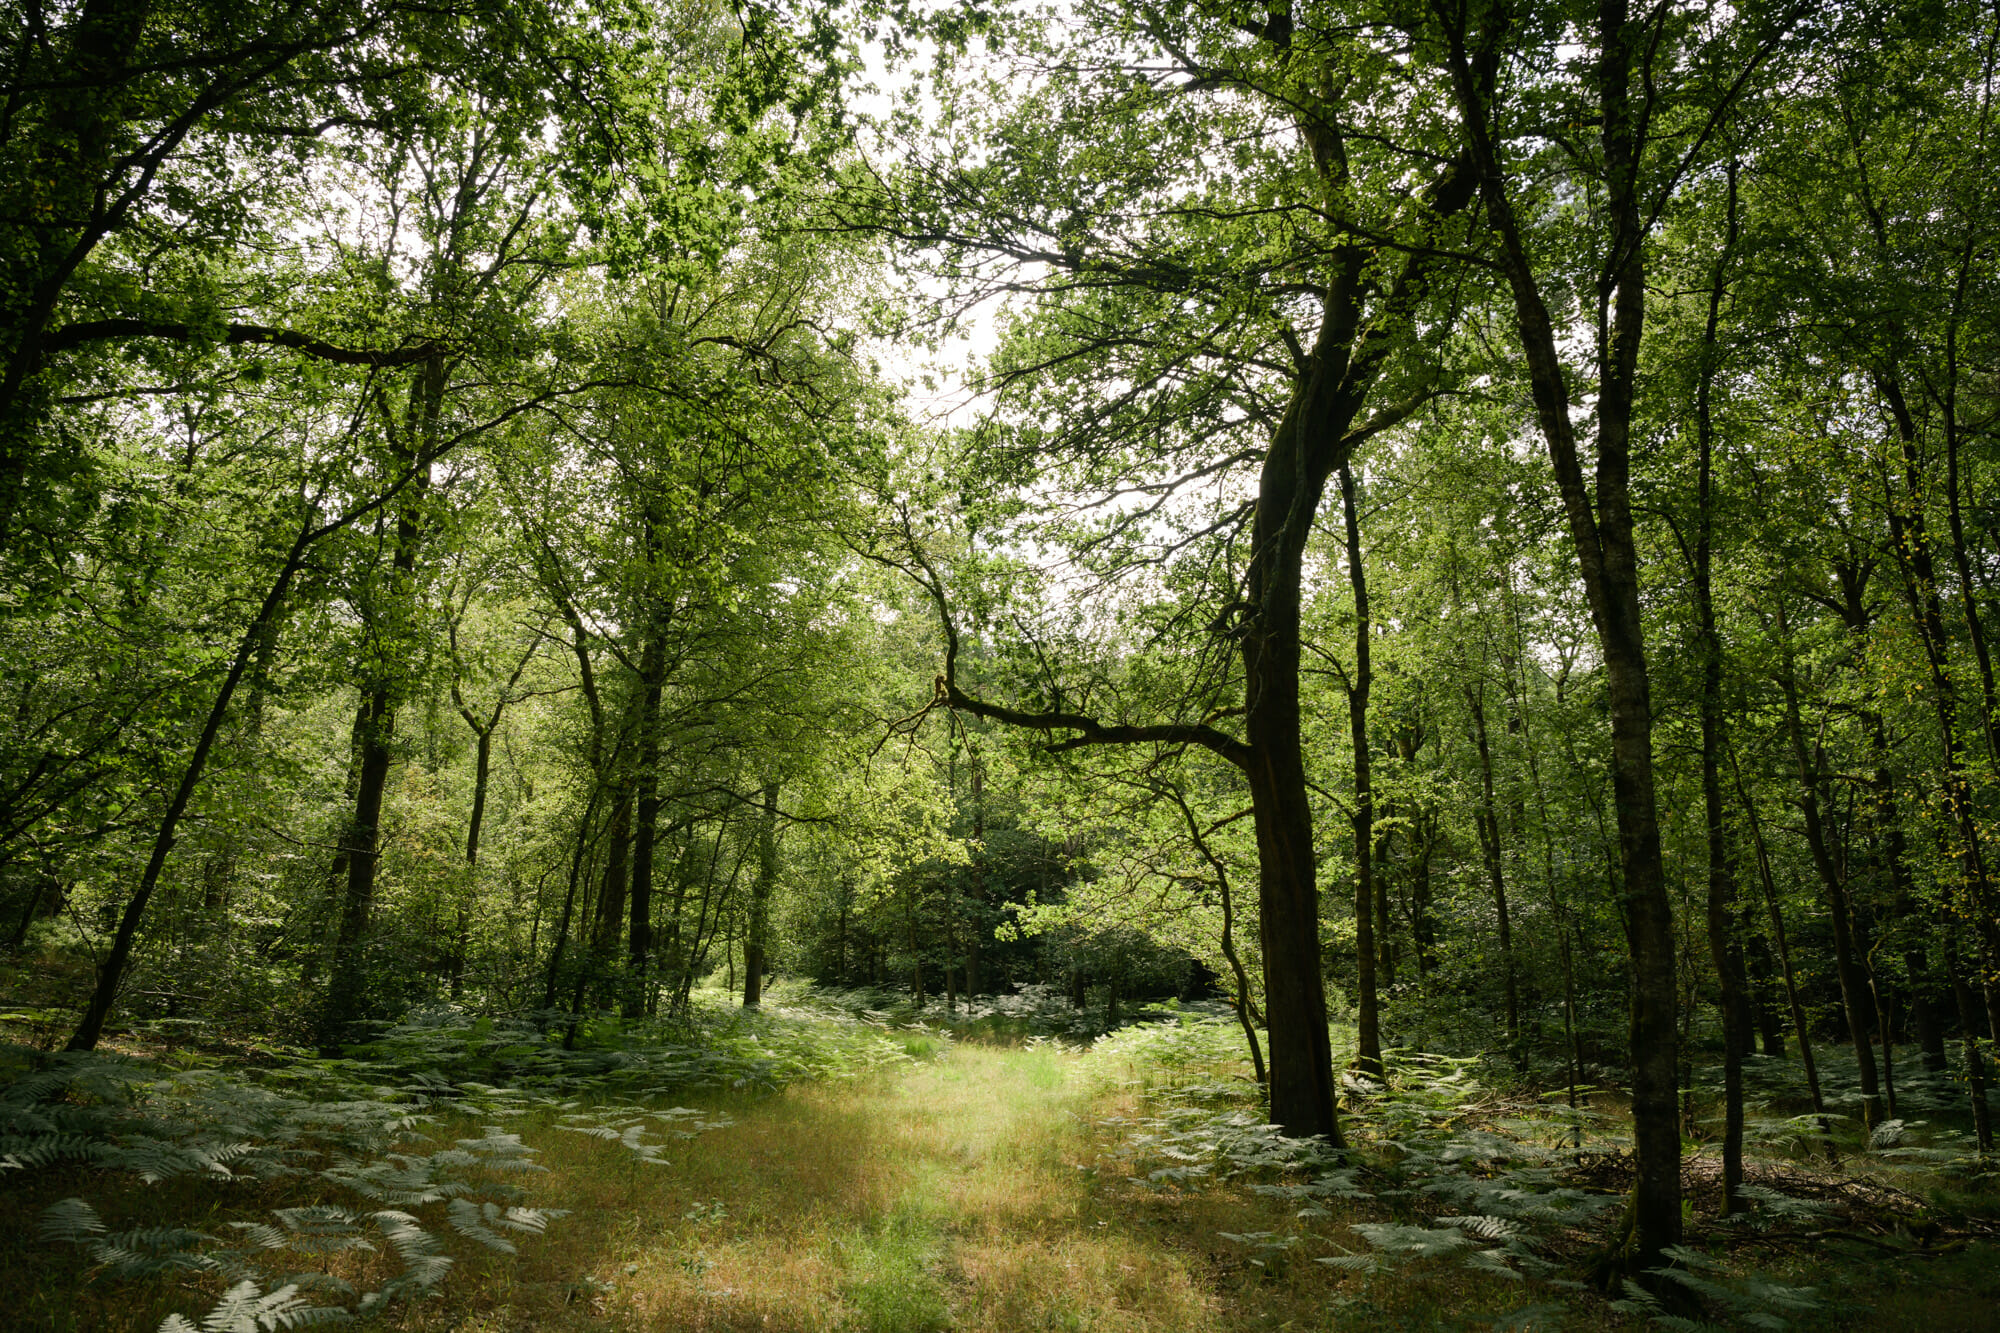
1179 345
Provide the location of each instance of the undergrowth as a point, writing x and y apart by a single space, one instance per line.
392 1156
1452 1166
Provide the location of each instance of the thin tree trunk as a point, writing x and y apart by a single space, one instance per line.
760 899
1488 822
1602 537
646 822
1975 1061
112 971
1923 1010
1853 986
1244 1009
583 840
1723 943
1764 981
1777 916
482 771
1909 539
1368 1055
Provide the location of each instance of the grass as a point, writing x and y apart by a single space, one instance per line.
969 1186
975 1192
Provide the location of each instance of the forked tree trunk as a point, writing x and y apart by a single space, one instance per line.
1363 319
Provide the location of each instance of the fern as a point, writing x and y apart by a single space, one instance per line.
1743 1301
358 1126
424 1260
69 1220
475 1221
321 1229
146 1251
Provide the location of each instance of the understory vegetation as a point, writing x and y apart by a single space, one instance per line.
1093 664
845 1167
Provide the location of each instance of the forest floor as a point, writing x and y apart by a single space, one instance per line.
977 1191
995 1184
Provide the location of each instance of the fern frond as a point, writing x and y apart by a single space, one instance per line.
148 1250
322 1229
261 1234
68 1220
27 1154
424 1262
471 1220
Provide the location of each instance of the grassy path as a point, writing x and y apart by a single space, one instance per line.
957 1194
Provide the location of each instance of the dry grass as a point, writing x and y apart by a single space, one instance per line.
970 1194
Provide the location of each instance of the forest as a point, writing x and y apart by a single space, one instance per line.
1091 664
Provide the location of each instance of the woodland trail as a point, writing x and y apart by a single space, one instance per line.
956 1194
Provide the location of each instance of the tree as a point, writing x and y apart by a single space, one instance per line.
1179 346
1651 131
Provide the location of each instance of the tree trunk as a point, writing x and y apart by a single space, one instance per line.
1923 1011
1361 327
462 928
569 898
377 724
1602 536
612 883
1909 539
1724 946
646 820
1488 821
1784 958
760 900
361 847
112 971
1368 1055
1854 999
1764 982
1983 1125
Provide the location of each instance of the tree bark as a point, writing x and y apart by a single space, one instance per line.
760 900
1602 536
1724 946
1368 1055
1488 821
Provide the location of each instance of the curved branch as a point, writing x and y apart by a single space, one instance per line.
1089 730
106 330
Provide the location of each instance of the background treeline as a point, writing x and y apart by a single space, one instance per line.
1488 508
